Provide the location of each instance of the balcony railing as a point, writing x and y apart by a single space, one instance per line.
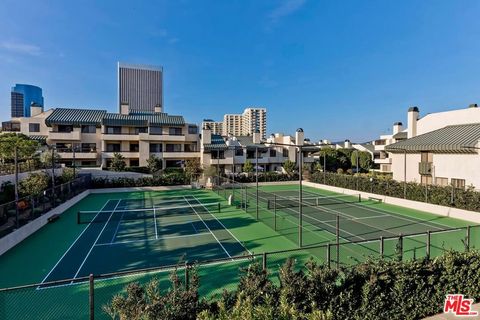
124 133
78 150
425 168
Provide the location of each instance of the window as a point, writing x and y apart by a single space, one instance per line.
156 130
285 152
173 163
156 147
89 147
63 147
88 163
141 130
134 163
427 157
426 179
273 153
173 147
239 152
114 130
64 128
191 147
458 183
11 126
439 181
175 131
134 147
218 154
89 129
192 129
113 147
34 127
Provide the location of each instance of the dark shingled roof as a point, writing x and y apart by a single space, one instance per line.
462 138
142 119
217 143
400 135
75 117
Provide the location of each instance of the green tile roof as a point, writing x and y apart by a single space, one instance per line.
462 138
38 138
142 119
401 135
217 143
76 117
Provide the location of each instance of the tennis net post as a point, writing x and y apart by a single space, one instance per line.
428 244
91 297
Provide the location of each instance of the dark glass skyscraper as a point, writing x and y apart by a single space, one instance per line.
22 97
140 86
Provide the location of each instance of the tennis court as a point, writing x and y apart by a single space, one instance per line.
130 234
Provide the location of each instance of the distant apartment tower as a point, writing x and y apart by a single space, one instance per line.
141 87
214 126
254 120
22 97
232 124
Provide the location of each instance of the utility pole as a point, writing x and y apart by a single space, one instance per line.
256 175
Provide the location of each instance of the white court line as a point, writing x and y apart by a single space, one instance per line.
193 226
398 215
118 227
79 236
228 254
153 240
93 245
155 220
221 224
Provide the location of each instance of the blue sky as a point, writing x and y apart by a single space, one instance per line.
339 69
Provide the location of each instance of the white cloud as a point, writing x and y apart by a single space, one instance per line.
22 48
286 8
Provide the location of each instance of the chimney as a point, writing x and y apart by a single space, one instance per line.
412 118
256 137
206 136
158 109
347 144
397 127
124 109
35 109
299 137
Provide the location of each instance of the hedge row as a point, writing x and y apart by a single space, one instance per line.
266 177
467 199
167 179
372 290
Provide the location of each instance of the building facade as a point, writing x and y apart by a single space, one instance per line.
141 87
442 149
92 137
22 97
252 120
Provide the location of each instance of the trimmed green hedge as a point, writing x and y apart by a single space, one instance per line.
467 199
267 177
167 179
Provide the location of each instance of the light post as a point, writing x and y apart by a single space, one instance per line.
256 177
16 186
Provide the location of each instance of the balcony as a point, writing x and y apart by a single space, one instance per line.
162 137
383 161
56 135
181 154
126 154
123 136
425 168
79 154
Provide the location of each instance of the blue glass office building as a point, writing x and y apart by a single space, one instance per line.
23 95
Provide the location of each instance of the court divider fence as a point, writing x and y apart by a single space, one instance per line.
85 298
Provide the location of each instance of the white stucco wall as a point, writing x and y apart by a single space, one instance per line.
439 120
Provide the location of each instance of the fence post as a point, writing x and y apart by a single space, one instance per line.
381 247
264 261
428 244
328 255
187 278
467 240
91 299
400 246
338 240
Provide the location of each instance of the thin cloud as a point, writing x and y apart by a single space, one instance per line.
22 48
286 8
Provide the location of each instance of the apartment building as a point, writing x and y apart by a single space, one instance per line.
252 120
442 148
231 153
91 137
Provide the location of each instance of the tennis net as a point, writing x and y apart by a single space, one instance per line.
84 217
293 202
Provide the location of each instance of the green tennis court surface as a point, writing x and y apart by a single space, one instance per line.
112 232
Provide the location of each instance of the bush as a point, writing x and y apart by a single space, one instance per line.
138 169
340 171
467 199
118 162
164 179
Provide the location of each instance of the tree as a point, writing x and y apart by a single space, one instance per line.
248 167
34 185
154 164
26 148
289 167
364 160
210 172
193 168
317 167
68 174
46 158
118 162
